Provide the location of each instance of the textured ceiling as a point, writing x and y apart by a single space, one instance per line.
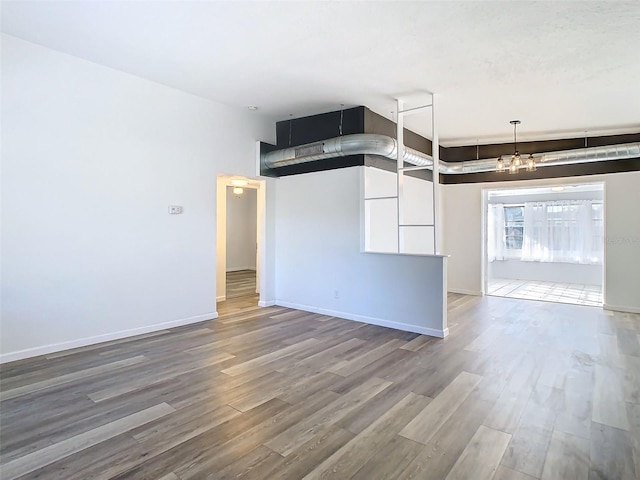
563 68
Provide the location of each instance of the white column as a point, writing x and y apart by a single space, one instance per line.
435 153
400 165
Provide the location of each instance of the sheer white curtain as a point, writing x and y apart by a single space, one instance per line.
561 231
495 232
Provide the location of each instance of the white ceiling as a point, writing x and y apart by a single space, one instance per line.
563 68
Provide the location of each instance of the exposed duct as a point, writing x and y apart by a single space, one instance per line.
384 146
356 144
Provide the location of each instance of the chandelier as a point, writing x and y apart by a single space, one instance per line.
516 162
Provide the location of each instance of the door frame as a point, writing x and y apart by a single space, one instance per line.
534 184
222 182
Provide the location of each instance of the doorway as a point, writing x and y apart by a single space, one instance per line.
240 218
545 243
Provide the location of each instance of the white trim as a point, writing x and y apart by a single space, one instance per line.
268 303
370 320
83 342
221 298
263 246
621 308
462 291
239 269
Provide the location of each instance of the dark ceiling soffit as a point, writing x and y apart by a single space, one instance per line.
300 131
470 152
315 128
575 170
389 165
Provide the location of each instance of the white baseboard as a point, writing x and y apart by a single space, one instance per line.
371 320
462 291
268 303
107 337
619 308
239 269
221 298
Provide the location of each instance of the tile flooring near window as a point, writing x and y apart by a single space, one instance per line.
573 293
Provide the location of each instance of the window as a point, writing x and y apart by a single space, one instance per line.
569 231
513 227
597 217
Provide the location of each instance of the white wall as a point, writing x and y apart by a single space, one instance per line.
241 230
92 157
463 219
320 267
546 271
622 242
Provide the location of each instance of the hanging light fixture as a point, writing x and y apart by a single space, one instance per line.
516 161
531 164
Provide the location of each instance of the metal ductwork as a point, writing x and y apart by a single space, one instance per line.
357 144
384 146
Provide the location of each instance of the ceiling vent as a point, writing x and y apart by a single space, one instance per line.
308 150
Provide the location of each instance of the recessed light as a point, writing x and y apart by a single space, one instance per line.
253 108
557 189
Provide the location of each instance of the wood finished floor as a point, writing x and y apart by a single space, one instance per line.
241 283
519 390
241 293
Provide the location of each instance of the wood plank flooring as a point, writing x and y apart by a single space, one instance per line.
241 293
519 390
241 283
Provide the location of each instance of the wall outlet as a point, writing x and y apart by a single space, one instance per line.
175 209
336 294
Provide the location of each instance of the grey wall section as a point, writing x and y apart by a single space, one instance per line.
319 259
